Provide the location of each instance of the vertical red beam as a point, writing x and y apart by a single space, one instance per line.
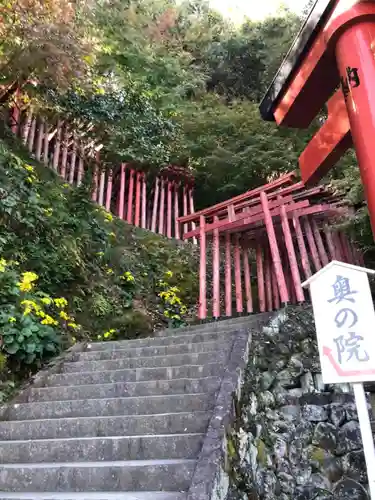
296 279
64 157
275 290
162 206
185 206
302 247
144 201
137 214
202 270
319 242
260 278
129 213
312 245
26 126
191 206
247 277
31 139
80 170
267 277
228 276
176 211
155 205
121 200
108 196
45 144
274 249
330 244
169 209
95 179
39 140
344 247
73 161
216 272
101 187
56 151
15 113
338 249
237 273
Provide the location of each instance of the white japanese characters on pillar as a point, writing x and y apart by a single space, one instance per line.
345 323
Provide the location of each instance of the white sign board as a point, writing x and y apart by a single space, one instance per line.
345 323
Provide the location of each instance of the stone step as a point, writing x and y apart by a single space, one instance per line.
147 362
139 352
168 446
184 338
106 495
109 407
135 375
137 475
99 426
122 389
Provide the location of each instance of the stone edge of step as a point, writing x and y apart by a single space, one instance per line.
128 495
209 473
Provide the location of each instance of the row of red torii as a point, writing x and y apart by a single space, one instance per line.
268 238
155 203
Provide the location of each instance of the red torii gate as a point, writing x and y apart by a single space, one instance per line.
281 230
331 61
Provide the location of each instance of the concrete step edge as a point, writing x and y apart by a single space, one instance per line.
126 495
87 465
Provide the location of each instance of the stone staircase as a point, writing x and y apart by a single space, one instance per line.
133 420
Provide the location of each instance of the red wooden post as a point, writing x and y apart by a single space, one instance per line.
95 179
344 247
162 206
302 247
137 215
56 151
322 251
312 245
216 272
191 206
169 209
39 140
202 270
247 277
121 200
45 144
80 170
30 142
274 248
275 290
15 113
129 213
73 163
108 196
291 255
260 278
64 153
268 276
237 273
144 200
338 248
228 276
330 244
101 188
185 227
176 211
155 205
26 126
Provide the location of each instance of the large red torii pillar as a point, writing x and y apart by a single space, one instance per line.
331 61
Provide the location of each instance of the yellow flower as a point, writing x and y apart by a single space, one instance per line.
64 316
108 217
74 326
113 235
109 271
127 276
12 319
100 254
26 285
66 185
168 274
99 337
48 212
3 264
48 320
29 168
46 300
60 302
166 314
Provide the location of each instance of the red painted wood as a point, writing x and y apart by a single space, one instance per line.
313 249
169 209
330 243
260 278
176 212
80 171
267 276
39 140
26 126
185 227
302 247
162 206
247 278
129 212
73 163
344 247
274 249
31 139
144 201
319 242
101 188
216 274
15 113
137 215
275 290
202 271
338 248
237 273
108 196
56 151
64 156
228 276
45 144
155 205
191 207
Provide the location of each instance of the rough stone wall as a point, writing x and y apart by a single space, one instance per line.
294 438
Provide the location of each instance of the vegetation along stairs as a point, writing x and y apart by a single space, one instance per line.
135 420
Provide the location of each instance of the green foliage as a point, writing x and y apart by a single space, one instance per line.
171 304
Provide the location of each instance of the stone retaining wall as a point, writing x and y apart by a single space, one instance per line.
294 438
